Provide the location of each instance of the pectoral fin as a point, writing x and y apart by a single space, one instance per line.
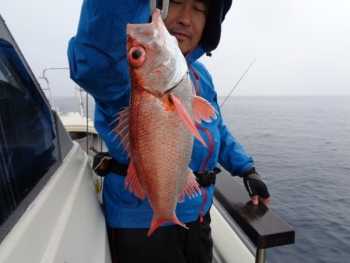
203 110
186 118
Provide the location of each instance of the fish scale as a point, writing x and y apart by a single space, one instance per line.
160 152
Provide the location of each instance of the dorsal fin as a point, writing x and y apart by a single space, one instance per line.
122 128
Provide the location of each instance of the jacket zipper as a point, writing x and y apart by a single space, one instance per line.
201 214
211 146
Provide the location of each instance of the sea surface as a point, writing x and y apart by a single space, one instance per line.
301 148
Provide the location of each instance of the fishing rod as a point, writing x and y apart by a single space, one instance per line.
237 83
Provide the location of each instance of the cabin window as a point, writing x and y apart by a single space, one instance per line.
27 148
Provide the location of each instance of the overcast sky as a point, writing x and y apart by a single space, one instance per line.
302 46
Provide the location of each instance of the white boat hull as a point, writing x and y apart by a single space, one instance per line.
65 223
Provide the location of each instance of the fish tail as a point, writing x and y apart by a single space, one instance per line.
159 222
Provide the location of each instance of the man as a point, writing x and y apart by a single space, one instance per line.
186 21
98 63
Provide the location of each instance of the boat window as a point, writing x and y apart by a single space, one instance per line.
27 138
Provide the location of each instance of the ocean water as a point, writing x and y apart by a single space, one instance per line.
68 104
301 148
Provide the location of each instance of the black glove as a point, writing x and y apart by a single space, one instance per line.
254 184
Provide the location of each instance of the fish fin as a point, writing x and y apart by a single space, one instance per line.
159 222
122 128
191 188
203 110
133 183
186 118
181 197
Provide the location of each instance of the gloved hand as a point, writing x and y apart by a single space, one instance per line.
256 187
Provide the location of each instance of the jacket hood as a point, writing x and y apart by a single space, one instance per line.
212 30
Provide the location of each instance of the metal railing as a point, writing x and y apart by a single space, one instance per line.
48 84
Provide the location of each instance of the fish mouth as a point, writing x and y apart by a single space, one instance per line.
160 94
175 86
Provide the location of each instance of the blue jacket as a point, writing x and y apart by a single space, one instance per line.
98 63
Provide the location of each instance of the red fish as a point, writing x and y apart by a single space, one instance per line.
158 128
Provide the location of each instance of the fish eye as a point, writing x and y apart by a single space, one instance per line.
137 56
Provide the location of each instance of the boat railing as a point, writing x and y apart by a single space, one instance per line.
78 91
48 88
261 225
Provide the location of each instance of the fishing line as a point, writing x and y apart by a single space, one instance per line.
87 123
237 83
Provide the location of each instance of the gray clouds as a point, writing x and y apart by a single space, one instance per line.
302 47
42 30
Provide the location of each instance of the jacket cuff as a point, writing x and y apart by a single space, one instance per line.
250 171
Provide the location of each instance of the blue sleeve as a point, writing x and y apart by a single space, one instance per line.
232 156
228 151
97 54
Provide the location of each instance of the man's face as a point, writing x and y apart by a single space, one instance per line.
185 21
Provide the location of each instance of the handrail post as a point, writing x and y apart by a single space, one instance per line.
48 88
48 84
260 255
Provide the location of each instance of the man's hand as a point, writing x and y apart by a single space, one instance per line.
256 187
